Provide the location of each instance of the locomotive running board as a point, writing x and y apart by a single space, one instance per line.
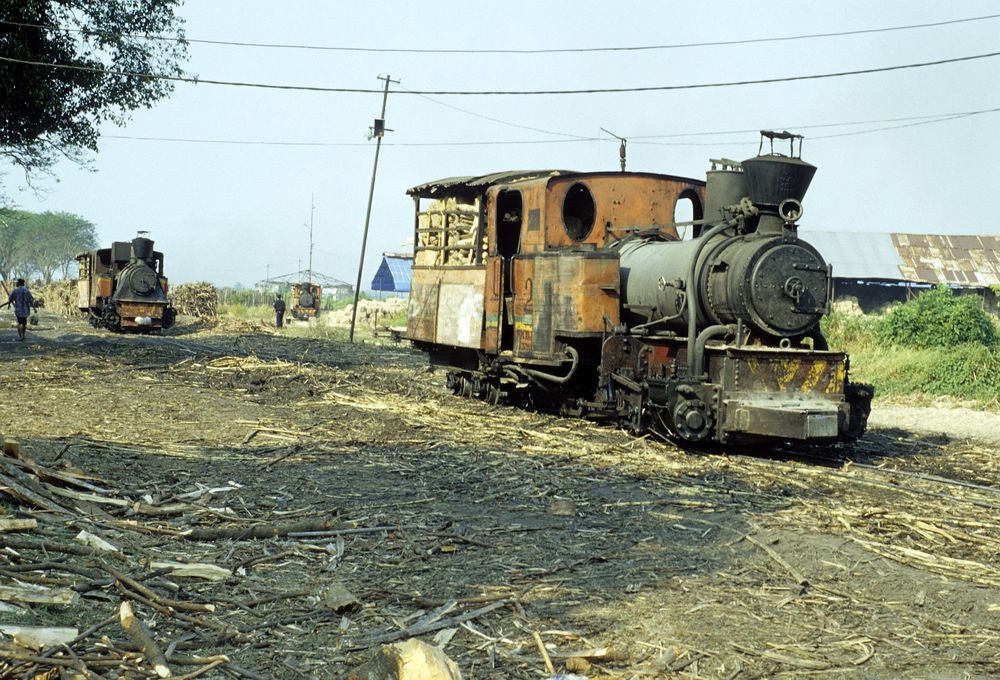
788 420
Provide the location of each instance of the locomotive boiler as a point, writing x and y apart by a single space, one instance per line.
122 288
581 293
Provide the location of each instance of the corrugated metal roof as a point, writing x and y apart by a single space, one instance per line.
862 255
965 260
955 260
429 189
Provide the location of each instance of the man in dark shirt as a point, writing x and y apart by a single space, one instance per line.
21 298
279 310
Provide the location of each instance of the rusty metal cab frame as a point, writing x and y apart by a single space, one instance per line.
481 243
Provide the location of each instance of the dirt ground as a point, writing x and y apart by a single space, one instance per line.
353 501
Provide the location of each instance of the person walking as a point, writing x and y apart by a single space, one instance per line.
279 310
21 298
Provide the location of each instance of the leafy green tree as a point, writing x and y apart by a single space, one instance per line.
12 224
66 66
33 243
938 318
52 240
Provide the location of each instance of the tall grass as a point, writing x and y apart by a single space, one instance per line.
924 350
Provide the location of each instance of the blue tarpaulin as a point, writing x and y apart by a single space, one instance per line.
393 274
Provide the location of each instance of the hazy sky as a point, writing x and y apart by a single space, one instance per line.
232 212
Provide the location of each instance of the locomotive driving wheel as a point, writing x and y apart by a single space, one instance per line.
111 319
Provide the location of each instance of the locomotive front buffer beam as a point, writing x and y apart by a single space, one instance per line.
800 395
785 420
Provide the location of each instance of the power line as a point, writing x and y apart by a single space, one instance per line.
610 90
498 120
566 50
929 118
249 142
907 121
734 83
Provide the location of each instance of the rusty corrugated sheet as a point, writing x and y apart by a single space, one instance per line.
962 260
958 260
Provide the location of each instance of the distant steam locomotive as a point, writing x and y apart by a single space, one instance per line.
575 292
123 288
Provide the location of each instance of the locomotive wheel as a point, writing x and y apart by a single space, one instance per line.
111 320
492 395
465 388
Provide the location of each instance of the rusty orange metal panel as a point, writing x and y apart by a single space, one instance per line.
492 307
622 203
104 285
130 310
421 312
564 294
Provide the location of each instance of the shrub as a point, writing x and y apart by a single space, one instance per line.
842 330
937 318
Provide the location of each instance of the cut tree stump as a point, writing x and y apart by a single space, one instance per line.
409 660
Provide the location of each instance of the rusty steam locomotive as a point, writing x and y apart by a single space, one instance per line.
122 288
581 293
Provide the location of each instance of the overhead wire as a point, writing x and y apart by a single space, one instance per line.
499 120
607 90
907 121
527 51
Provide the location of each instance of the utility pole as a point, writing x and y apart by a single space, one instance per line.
378 131
312 211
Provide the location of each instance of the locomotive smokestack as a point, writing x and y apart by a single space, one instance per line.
772 179
142 248
777 183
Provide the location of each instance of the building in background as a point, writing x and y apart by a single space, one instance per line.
878 269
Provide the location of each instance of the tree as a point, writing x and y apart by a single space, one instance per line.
65 68
52 240
11 226
42 243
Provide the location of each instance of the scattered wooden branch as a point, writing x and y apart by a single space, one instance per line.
17 524
141 636
258 531
369 641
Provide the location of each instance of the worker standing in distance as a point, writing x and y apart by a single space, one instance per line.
279 310
21 298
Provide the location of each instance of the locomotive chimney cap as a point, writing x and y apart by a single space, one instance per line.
771 135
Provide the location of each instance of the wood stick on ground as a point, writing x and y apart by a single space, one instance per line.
139 588
364 643
549 668
141 636
799 579
257 532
